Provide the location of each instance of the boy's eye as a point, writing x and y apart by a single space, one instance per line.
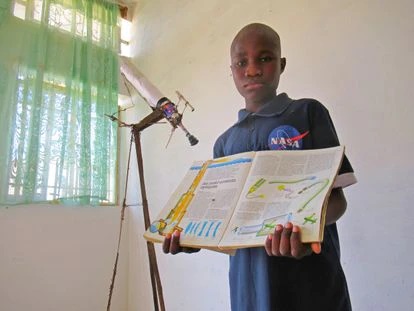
265 59
241 63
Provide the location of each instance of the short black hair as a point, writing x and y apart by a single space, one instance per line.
260 29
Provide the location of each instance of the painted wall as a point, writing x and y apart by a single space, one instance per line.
356 58
60 258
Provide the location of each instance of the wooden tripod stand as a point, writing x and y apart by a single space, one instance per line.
157 292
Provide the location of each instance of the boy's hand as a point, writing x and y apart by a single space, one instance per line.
171 245
286 242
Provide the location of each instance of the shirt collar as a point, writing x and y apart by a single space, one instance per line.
275 107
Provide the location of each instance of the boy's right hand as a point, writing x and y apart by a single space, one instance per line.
171 245
286 242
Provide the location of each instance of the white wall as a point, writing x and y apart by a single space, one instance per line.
355 57
60 258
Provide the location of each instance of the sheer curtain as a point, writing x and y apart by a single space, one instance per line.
58 79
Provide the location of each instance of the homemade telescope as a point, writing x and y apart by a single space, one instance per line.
161 105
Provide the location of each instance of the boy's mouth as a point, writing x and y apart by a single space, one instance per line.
253 85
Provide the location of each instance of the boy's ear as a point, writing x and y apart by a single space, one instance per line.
282 64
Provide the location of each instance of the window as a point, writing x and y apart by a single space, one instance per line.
59 167
63 80
60 17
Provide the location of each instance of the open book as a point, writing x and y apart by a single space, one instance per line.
236 201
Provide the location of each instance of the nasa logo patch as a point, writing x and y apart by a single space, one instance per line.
285 137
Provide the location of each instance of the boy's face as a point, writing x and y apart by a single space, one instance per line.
256 66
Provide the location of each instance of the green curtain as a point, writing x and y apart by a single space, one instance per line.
4 8
58 79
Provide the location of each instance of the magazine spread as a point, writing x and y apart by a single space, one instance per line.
236 201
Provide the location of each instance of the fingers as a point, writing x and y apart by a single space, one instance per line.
276 240
175 247
297 245
171 244
286 241
268 245
316 247
272 243
166 243
298 249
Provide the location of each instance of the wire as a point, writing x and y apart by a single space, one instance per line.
111 287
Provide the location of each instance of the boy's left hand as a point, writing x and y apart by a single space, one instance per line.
286 242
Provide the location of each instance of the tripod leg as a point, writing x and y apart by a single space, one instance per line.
155 276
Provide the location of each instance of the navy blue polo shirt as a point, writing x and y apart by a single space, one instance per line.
259 282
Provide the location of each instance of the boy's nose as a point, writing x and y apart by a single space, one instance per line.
252 70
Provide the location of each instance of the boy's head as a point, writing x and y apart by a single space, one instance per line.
256 64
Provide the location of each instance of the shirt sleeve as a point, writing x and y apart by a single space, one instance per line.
324 136
218 148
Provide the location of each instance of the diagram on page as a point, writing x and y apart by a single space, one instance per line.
278 202
215 181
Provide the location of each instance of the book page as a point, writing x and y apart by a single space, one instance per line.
204 201
283 186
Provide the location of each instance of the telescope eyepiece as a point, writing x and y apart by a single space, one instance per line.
192 139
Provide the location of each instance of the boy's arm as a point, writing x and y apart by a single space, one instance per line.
336 206
285 241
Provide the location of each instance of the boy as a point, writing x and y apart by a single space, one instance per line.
285 274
